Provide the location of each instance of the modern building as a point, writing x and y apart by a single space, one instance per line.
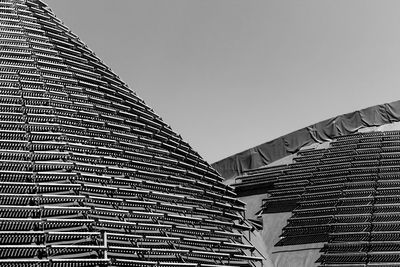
327 194
92 176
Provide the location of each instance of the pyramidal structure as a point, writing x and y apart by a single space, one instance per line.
89 174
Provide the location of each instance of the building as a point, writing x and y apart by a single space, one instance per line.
90 175
327 194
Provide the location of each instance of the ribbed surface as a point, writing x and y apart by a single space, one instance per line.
347 196
90 175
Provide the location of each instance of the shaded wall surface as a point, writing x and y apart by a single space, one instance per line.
89 174
317 133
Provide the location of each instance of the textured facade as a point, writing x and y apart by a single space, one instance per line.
332 204
90 175
344 197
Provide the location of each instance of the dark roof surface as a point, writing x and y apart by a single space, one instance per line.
291 143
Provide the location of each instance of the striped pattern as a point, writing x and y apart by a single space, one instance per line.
347 196
89 174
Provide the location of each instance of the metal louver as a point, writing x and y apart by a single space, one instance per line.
89 174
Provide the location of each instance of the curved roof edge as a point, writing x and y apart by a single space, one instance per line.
323 131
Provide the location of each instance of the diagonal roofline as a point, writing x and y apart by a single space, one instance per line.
320 132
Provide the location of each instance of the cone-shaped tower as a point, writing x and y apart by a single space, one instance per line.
90 175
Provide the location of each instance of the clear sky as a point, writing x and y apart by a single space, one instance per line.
228 75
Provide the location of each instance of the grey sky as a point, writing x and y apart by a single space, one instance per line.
228 75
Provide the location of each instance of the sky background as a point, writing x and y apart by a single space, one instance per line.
229 75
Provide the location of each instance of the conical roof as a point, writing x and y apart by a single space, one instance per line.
89 174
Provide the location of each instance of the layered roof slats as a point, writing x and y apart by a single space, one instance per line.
89 174
346 195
